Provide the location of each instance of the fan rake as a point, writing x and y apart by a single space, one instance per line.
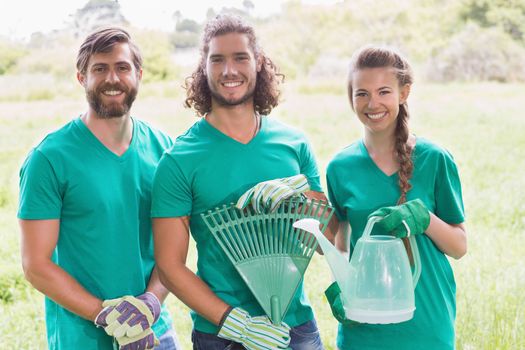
268 252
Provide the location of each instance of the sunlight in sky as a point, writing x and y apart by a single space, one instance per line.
25 17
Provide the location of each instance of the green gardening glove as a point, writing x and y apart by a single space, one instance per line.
333 294
254 333
269 194
410 218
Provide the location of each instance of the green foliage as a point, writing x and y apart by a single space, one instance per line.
13 285
10 54
505 14
184 40
156 53
478 54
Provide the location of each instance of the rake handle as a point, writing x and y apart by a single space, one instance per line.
275 304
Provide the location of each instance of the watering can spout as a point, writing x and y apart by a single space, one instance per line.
340 266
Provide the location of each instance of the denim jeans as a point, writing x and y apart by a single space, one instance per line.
169 341
303 337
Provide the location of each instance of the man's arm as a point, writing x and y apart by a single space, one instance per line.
39 239
172 237
156 287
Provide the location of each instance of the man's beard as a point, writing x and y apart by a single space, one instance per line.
222 101
113 110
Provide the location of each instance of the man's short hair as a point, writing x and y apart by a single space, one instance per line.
102 41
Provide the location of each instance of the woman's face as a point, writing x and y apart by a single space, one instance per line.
376 96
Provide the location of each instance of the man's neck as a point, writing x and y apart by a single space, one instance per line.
114 133
238 122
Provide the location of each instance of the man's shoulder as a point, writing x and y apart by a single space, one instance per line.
145 129
58 139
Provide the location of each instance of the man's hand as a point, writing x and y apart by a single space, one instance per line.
268 195
129 320
410 218
254 333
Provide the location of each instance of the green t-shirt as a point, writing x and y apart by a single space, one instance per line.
103 202
206 169
357 187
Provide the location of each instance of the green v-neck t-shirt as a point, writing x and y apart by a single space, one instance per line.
356 188
103 203
206 169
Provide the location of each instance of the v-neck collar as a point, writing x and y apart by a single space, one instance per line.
220 135
95 142
373 166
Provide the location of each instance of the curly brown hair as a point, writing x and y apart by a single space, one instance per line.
266 94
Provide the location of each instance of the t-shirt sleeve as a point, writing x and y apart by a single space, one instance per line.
40 195
449 199
171 194
309 167
331 183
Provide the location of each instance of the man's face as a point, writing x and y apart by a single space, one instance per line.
111 82
231 70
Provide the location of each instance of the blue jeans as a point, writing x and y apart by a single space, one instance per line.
303 337
169 341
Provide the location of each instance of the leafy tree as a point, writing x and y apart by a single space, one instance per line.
97 13
10 55
506 14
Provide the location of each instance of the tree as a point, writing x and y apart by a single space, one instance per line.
97 13
508 15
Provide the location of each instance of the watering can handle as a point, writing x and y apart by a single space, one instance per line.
417 260
369 224
413 247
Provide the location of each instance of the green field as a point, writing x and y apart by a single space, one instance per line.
481 124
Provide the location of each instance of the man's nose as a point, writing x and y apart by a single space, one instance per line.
112 76
229 69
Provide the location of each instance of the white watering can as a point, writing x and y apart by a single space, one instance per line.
377 285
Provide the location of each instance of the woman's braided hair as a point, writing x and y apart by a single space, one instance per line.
379 57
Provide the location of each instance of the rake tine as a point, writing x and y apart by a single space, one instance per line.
238 236
217 233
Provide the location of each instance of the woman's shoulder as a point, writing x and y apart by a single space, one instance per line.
347 155
426 149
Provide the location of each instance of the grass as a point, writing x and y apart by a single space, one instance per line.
481 124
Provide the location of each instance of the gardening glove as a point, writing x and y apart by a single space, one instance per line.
129 316
269 194
333 294
410 218
254 333
142 341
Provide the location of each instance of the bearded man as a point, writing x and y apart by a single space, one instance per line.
85 198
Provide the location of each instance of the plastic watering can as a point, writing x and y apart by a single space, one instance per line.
377 285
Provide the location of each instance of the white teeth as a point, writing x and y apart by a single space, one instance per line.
232 84
112 92
376 116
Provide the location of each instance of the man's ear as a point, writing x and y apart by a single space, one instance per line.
140 74
403 93
81 79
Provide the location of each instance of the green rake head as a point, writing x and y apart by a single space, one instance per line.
268 252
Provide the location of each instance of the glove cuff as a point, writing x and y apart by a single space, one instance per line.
153 303
234 325
332 291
